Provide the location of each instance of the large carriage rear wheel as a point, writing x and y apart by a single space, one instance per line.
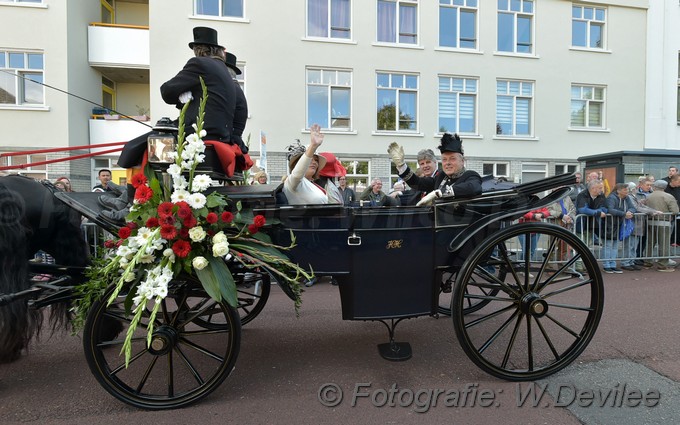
546 308
185 361
485 272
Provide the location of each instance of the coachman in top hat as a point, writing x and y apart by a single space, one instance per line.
455 180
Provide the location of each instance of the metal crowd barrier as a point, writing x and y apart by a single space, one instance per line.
94 236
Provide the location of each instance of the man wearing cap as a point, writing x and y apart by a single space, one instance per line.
304 165
659 227
454 180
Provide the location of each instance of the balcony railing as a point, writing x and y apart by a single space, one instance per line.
118 46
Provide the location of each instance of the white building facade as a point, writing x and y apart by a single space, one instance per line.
530 85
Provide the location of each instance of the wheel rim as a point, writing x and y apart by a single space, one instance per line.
540 319
185 361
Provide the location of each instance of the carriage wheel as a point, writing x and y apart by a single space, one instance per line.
185 361
546 309
472 304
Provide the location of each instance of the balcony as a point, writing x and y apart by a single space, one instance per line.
109 131
120 52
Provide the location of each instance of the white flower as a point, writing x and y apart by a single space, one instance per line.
179 183
200 183
180 195
219 237
170 254
196 200
187 164
174 170
129 277
146 259
197 234
199 263
203 133
220 249
228 257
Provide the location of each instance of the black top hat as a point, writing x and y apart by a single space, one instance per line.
205 35
230 60
451 143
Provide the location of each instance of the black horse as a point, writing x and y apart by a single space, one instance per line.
32 219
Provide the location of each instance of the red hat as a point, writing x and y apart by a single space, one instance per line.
333 167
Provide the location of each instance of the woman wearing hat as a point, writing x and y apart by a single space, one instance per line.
328 173
455 180
304 165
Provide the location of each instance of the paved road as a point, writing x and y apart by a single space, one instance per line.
284 362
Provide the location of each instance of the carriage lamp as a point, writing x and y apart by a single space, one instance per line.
161 143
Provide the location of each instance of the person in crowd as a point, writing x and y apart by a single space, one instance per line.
605 183
454 180
375 197
564 213
60 185
659 226
327 175
104 176
634 245
260 177
66 182
536 215
348 195
619 207
672 170
427 162
577 188
590 205
673 188
644 188
304 165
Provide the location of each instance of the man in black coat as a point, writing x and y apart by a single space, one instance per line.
454 180
209 64
241 111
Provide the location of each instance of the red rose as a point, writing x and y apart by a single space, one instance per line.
124 232
143 194
211 218
109 243
165 209
168 232
152 222
259 220
253 229
138 179
227 217
190 222
181 248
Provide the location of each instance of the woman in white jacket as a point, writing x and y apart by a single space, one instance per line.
304 165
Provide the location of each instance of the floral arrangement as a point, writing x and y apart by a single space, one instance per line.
182 227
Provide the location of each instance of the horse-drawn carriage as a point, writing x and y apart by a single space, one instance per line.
516 316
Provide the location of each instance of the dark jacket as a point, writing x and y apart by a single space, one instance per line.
348 195
240 118
617 208
586 205
468 184
221 103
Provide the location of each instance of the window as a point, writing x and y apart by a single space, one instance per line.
587 26
458 23
565 168
587 106
224 8
357 174
108 93
329 19
22 1
532 171
329 98
515 29
458 105
241 78
22 78
37 171
397 21
514 107
397 92
496 169
678 88
108 14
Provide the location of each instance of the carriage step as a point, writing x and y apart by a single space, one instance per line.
395 351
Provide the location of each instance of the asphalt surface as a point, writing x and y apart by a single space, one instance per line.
285 361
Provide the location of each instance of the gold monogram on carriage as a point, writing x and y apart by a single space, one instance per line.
394 244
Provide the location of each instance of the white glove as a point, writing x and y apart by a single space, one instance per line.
427 199
396 153
185 97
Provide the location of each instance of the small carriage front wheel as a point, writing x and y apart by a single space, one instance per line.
184 362
541 311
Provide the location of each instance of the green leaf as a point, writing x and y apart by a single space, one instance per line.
218 281
255 248
215 200
210 282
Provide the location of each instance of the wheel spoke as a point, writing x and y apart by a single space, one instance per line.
530 346
182 302
146 375
572 307
558 323
171 376
132 360
200 349
489 316
511 343
568 288
198 313
548 340
115 342
191 367
499 331
487 297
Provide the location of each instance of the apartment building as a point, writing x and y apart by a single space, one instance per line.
530 85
